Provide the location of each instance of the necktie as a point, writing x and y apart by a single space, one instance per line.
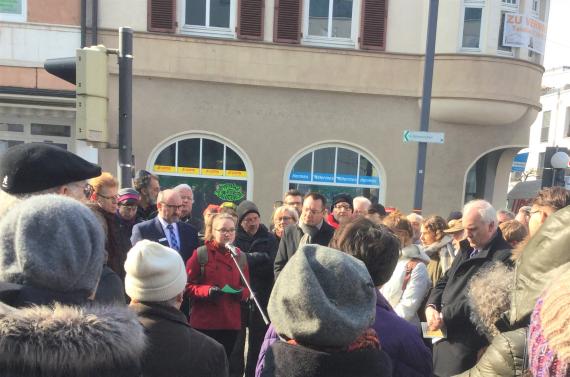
173 241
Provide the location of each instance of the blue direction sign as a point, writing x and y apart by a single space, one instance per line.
424 137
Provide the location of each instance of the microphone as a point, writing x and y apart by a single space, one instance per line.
232 249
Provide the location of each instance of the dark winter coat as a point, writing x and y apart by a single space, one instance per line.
174 349
544 257
287 360
458 352
290 242
110 289
70 341
220 313
260 250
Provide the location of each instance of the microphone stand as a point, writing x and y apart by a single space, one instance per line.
234 254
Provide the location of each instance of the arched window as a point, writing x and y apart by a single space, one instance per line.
335 169
216 171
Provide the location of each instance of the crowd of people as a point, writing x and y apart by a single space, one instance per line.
98 280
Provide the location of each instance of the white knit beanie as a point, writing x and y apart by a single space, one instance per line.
154 272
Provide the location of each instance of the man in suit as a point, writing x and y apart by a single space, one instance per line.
166 228
312 229
448 307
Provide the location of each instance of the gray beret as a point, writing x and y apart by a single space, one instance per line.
33 167
52 242
323 297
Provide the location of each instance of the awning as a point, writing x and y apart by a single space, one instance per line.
524 190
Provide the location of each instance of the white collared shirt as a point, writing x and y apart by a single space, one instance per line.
166 231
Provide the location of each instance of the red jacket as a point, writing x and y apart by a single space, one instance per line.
221 313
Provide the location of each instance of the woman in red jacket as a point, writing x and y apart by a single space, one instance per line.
215 302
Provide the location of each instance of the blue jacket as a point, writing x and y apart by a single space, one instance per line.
398 338
152 230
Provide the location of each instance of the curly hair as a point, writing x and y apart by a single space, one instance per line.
436 225
373 244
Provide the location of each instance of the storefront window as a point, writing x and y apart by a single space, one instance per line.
216 172
333 170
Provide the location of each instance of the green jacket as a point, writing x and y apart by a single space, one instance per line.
544 257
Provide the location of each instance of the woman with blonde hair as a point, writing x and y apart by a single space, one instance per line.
282 217
410 282
437 245
215 285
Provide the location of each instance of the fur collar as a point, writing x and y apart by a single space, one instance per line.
414 251
70 341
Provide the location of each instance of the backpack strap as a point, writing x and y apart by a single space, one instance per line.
202 260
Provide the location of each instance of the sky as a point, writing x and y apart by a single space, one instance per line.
557 51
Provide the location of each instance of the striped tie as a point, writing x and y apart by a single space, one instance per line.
173 241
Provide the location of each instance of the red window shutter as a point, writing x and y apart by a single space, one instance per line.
373 29
161 16
250 19
287 21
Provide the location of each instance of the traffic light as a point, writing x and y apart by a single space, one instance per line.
88 71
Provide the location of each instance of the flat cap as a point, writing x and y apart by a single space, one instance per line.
27 168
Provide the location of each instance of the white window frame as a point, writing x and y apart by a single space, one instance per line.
534 12
511 52
203 135
337 144
16 17
472 4
27 137
208 31
334 42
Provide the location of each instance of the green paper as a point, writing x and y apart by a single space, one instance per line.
230 290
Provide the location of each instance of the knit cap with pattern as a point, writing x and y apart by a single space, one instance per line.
323 297
549 332
154 272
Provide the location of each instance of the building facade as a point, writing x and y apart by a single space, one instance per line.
248 98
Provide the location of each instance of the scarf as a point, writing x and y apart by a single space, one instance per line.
309 232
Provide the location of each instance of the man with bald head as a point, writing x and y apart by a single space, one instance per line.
166 228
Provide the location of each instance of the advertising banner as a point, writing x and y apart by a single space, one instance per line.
522 30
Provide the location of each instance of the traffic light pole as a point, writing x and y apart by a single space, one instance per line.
125 61
426 103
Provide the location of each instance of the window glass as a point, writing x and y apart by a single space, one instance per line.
233 161
12 10
60 145
316 170
50 129
472 27
212 154
189 156
5 144
342 18
501 33
210 182
303 168
319 18
196 12
166 160
220 13
11 127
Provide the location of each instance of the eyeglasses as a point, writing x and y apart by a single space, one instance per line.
535 211
226 231
312 211
130 207
342 206
114 197
284 218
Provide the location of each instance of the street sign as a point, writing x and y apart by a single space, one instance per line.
423 137
519 162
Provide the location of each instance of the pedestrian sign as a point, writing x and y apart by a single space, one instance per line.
423 137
